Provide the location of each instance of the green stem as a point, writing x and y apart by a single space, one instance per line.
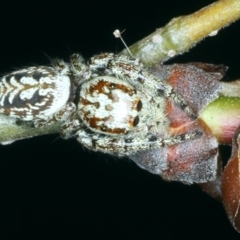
183 33
222 116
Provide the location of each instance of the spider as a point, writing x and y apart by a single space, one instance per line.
121 107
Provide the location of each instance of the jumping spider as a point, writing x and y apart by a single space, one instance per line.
121 108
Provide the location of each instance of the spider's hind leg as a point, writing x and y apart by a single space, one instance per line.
129 146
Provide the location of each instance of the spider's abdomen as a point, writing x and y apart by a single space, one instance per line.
35 92
109 105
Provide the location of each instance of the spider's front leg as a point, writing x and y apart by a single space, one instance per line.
133 71
126 146
168 90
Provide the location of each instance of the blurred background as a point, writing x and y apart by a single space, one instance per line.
55 189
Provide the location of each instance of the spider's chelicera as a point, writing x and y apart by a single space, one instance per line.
111 104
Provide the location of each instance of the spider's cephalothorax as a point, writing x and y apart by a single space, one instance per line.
37 94
121 108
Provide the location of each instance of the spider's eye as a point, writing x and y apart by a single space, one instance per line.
136 121
104 129
139 105
112 85
160 92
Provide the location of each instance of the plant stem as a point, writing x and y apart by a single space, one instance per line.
183 33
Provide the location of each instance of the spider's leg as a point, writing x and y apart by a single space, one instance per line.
71 126
100 62
80 70
134 73
61 67
169 92
128 146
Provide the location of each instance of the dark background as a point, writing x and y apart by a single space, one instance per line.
55 189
